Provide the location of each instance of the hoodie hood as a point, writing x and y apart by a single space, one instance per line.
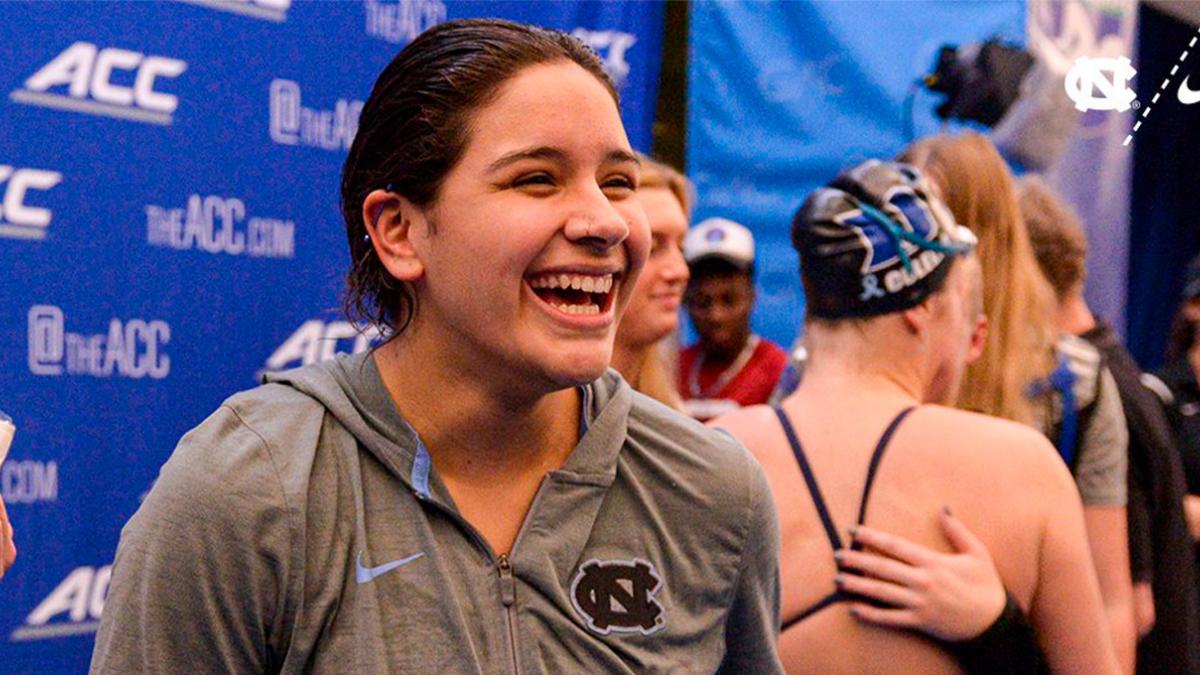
352 390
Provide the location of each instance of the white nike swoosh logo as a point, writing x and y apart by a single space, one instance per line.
364 574
1188 96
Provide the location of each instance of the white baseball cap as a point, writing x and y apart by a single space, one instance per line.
720 238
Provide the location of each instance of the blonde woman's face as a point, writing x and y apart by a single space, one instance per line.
653 311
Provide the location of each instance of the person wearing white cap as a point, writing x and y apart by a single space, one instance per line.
729 367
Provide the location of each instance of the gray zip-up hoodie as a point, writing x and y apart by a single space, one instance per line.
302 528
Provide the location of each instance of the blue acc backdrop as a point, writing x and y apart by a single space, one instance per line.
169 229
783 96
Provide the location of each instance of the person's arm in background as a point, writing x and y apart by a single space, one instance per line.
1067 608
1101 475
8 549
1109 544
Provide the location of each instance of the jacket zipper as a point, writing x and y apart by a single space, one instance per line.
504 568
508 596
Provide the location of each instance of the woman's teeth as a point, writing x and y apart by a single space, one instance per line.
577 282
576 309
573 293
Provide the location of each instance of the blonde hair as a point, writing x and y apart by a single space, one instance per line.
655 174
975 183
1056 234
656 376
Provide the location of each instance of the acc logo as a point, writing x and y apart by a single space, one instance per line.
132 349
81 595
218 224
401 21
1087 78
29 482
293 124
611 45
317 341
88 71
17 219
270 10
618 596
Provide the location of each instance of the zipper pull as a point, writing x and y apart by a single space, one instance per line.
508 586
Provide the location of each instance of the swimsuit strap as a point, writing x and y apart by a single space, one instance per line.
876 458
813 490
819 500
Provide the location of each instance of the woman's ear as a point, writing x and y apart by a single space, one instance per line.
392 221
978 339
917 319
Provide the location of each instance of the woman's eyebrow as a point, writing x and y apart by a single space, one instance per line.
544 152
558 156
621 157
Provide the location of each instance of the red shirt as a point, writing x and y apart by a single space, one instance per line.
713 389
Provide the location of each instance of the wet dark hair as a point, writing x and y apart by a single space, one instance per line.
414 128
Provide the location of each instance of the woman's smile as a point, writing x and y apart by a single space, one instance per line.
577 297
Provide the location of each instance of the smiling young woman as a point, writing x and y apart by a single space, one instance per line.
644 351
476 494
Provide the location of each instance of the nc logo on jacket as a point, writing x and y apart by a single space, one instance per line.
618 596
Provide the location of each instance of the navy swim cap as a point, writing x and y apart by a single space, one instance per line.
875 241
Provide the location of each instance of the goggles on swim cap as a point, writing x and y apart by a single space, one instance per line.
875 241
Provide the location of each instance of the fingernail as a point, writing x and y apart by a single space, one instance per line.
946 510
854 612
838 556
839 579
853 530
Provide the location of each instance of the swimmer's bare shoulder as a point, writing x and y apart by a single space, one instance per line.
758 429
998 450
1015 472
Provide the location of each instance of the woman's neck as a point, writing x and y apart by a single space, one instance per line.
472 423
841 366
838 380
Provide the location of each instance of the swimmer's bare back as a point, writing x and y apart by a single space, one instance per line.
1003 480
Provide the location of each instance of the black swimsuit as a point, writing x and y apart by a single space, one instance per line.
823 511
